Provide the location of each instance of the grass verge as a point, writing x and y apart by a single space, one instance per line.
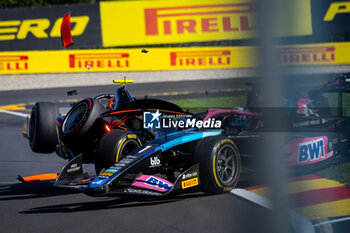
339 172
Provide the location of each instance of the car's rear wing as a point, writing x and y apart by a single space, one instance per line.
341 83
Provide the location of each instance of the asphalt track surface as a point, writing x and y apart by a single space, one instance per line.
38 207
141 90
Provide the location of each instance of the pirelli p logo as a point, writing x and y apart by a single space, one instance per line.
201 58
200 19
13 63
306 55
112 61
337 8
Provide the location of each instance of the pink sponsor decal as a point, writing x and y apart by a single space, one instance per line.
307 150
146 177
153 183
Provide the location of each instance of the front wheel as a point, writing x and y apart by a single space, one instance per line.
114 146
220 164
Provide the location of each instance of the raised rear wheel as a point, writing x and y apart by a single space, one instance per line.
42 127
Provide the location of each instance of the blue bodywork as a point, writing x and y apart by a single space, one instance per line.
162 144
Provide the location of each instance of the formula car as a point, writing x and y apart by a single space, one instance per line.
107 130
83 129
321 132
112 136
316 131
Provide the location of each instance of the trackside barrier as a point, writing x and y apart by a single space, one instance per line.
123 23
97 60
139 23
181 21
194 58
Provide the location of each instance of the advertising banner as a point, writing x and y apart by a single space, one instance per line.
38 28
97 60
140 23
104 60
182 21
314 54
329 17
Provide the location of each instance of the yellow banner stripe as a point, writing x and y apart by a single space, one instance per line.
10 23
95 60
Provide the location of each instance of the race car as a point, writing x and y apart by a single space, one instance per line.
129 158
83 130
316 130
321 132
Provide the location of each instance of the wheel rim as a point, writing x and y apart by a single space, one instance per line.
75 118
226 165
127 148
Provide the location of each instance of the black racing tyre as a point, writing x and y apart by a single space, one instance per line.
42 127
220 164
80 119
113 146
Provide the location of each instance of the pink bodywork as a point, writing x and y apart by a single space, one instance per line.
141 182
301 154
